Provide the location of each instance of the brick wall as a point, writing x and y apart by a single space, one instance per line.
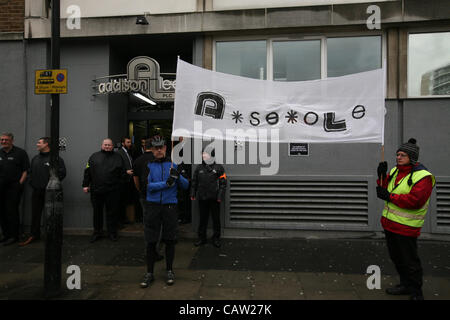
12 13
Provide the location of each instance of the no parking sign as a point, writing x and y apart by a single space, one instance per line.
50 81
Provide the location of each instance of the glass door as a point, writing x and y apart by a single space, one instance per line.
142 129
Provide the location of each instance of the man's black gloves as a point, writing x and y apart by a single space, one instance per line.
383 194
382 170
174 175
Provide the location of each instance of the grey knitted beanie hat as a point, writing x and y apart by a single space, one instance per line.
411 149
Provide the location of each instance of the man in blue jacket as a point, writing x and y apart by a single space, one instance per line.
160 209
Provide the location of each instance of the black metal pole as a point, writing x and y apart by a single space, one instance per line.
54 194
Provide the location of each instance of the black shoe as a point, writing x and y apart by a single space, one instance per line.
113 237
95 237
10 241
398 290
216 243
148 279
199 242
170 278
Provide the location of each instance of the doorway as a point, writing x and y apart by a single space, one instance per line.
141 129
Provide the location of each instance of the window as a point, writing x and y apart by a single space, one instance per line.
353 54
299 60
296 60
429 64
242 58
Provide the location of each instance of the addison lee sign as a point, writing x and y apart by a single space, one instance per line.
142 76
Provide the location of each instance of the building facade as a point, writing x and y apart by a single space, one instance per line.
332 187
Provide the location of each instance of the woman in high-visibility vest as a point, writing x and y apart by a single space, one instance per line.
406 191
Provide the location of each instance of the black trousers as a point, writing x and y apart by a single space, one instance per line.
110 201
404 255
160 222
37 206
208 207
10 194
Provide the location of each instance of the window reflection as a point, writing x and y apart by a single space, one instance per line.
299 60
296 60
242 58
429 64
349 55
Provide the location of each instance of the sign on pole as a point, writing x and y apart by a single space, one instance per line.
50 81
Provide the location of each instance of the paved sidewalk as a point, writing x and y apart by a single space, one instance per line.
243 269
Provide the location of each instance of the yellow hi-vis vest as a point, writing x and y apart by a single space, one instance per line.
410 217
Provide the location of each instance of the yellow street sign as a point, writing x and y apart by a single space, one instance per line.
50 81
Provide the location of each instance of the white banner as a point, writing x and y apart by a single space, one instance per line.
211 104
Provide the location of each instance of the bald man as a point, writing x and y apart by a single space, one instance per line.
102 176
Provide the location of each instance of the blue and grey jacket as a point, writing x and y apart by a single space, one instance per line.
157 190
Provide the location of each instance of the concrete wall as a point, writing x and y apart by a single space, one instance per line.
13 113
427 121
37 110
248 4
106 8
109 8
13 104
84 122
341 15
22 112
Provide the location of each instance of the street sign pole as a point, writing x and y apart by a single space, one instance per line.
54 192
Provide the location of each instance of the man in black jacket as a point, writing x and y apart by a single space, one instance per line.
208 186
14 165
102 177
39 175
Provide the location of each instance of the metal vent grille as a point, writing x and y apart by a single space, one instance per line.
443 204
299 203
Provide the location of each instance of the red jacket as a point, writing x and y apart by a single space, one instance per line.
415 199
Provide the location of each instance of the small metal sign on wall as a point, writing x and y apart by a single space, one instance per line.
298 149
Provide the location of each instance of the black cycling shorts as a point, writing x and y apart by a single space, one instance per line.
157 215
